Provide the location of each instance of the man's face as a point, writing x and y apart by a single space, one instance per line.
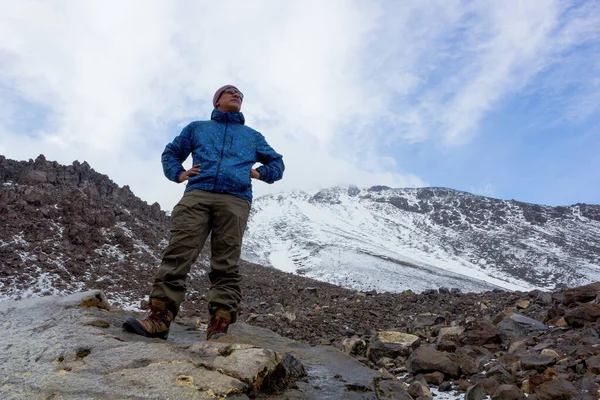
230 100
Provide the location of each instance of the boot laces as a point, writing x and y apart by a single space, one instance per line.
157 317
218 325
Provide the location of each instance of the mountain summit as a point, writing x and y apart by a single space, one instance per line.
396 239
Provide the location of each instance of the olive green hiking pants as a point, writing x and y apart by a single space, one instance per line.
196 215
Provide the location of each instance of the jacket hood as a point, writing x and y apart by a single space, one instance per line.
229 116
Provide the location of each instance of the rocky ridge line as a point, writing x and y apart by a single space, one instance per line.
429 234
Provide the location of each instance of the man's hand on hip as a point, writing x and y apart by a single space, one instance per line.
195 170
254 174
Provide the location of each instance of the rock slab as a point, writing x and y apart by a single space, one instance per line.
73 347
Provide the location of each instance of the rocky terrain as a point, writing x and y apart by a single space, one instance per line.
499 343
72 347
65 228
68 229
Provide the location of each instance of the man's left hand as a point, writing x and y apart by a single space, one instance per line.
254 174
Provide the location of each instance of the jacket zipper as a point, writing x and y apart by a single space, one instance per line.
221 158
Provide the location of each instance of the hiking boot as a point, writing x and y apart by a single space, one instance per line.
156 323
218 325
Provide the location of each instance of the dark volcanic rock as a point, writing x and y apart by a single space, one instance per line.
508 392
582 294
587 312
480 333
392 344
517 325
426 359
593 365
537 362
419 391
468 365
499 374
476 392
558 389
392 390
434 378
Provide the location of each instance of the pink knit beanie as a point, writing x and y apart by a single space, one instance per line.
219 92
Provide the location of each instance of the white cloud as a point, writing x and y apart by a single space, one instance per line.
327 82
485 190
457 62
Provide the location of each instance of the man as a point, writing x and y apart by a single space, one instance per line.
217 201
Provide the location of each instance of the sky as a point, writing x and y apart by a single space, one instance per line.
498 98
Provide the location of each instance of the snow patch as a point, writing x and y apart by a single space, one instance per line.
42 284
110 251
123 301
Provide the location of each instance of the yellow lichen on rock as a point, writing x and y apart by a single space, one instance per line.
523 304
185 380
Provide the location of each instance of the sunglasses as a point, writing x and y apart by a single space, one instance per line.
234 91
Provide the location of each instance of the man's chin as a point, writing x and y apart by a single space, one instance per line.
230 109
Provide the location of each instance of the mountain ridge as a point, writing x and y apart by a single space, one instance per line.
506 243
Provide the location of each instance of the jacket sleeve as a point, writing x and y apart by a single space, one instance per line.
273 167
176 153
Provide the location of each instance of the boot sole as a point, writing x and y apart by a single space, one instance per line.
216 336
133 326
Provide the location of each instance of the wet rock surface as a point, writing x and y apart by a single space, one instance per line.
50 350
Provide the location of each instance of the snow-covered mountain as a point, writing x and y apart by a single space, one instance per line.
396 239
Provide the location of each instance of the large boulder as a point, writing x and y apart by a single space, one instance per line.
476 392
581 294
427 320
538 362
508 392
450 333
418 390
516 325
578 316
593 365
556 389
391 390
481 333
392 344
468 365
500 374
426 359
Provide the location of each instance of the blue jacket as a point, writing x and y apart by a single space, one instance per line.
226 150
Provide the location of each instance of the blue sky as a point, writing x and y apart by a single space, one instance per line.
497 98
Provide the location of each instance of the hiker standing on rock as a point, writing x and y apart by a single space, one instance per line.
216 200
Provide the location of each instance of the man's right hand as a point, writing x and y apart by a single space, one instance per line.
195 170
